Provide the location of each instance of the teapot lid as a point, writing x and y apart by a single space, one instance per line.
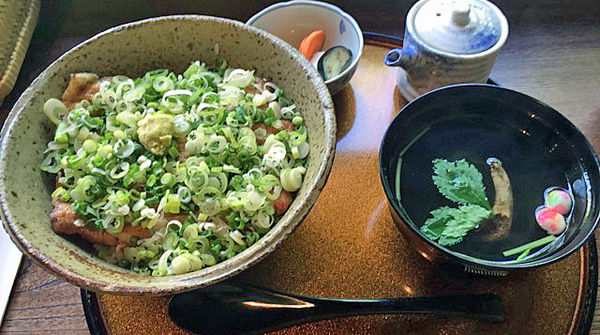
458 26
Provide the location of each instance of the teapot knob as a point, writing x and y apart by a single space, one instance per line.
460 14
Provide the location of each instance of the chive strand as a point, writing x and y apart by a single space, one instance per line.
523 255
397 178
530 245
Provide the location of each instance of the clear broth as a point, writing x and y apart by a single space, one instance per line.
530 167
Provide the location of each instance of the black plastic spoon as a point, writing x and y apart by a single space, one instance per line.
235 308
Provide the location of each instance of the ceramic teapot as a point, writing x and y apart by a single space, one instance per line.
448 42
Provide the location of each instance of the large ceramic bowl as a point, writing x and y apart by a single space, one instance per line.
292 20
131 49
538 147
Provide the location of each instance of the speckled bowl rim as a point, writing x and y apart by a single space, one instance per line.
222 270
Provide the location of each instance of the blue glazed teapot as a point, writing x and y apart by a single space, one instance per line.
447 42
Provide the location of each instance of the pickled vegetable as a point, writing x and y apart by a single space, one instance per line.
334 61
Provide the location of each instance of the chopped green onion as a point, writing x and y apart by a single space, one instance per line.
61 194
55 110
167 179
151 180
123 148
184 194
119 134
61 135
119 171
297 120
116 226
231 169
210 166
50 163
291 179
170 203
89 146
162 84
80 192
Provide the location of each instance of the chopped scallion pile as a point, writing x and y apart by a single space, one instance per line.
184 170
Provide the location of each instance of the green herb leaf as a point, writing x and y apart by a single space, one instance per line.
449 225
464 219
460 182
434 226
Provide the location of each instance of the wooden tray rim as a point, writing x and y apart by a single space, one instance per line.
588 279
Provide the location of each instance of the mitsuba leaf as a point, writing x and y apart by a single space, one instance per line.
464 219
434 226
460 182
449 225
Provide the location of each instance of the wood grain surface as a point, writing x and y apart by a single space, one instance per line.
552 53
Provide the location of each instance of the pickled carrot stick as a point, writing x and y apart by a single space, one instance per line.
312 43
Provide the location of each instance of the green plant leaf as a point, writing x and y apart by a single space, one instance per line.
460 182
435 225
448 225
464 219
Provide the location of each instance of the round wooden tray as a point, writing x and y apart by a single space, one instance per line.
348 246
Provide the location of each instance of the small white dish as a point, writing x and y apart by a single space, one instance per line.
293 20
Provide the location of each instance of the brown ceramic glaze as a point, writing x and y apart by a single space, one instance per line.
348 246
132 49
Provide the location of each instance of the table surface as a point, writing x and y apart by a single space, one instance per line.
552 53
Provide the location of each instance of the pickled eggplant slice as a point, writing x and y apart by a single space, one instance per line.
334 61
